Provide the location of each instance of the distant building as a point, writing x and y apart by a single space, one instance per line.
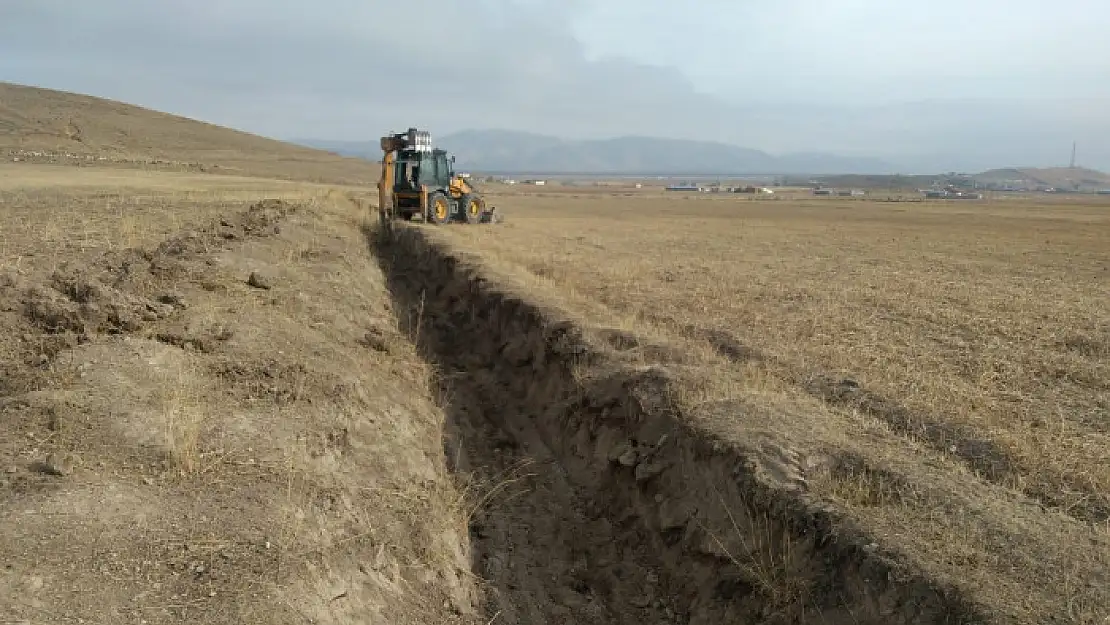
951 194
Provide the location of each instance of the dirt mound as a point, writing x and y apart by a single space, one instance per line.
617 507
124 291
84 305
177 445
259 220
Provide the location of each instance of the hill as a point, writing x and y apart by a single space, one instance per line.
44 125
1068 178
507 151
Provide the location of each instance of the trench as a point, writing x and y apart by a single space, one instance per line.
597 501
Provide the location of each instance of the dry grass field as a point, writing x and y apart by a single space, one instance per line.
952 359
970 321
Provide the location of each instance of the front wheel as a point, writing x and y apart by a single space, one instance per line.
472 208
439 208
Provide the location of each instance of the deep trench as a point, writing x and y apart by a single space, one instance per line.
600 504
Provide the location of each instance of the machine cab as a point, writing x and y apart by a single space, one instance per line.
433 169
419 163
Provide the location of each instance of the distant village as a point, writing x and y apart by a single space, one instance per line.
952 186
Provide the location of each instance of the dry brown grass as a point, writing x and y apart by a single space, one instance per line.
43 125
989 318
948 356
53 213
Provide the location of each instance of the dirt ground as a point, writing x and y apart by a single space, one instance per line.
208 413
237 400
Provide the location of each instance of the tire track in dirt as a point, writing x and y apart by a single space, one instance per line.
986 458
989 460
621 511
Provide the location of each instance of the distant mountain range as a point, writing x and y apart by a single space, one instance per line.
513 152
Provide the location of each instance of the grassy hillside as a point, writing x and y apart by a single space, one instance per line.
43 125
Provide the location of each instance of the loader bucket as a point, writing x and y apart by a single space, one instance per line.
491 216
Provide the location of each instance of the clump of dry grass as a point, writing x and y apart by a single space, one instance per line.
772 560
182 411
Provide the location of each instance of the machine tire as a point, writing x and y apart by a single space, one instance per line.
472 206
439 208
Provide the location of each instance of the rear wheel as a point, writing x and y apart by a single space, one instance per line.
439 208
472 208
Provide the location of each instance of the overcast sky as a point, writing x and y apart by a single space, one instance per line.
930 83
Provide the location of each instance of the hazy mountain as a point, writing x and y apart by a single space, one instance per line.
508 151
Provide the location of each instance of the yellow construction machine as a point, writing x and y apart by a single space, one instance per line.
419 180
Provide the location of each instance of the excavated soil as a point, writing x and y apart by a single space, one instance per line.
198 432
602 502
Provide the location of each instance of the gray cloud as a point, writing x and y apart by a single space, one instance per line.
350 69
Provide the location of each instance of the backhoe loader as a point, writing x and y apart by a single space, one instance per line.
419 180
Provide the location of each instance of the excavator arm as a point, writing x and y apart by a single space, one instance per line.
459 187
390 146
